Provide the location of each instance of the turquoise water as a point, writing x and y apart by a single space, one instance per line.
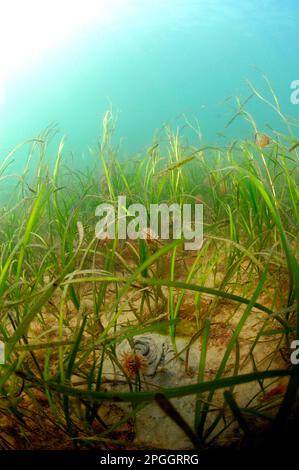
155 61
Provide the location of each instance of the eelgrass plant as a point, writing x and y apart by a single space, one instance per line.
63 292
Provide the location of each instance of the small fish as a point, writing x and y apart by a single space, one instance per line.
31 189
151 150
262 140
177 165
294 146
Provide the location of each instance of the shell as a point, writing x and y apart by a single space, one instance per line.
153 348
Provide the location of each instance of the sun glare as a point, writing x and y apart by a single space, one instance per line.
29 28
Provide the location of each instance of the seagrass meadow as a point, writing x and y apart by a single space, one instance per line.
129 344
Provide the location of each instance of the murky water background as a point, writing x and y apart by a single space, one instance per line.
152 60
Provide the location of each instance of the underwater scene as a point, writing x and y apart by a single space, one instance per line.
149 278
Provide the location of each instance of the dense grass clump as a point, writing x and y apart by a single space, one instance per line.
65 295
